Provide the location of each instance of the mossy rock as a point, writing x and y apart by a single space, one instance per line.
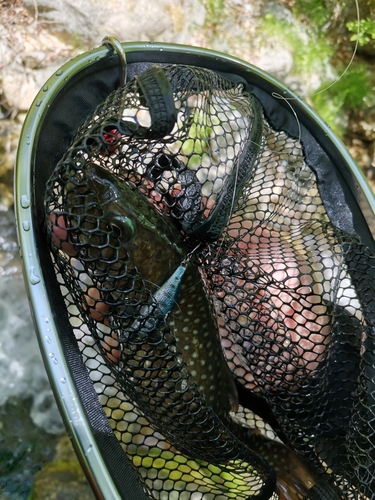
62 479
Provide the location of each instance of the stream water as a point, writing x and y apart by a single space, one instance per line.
29 419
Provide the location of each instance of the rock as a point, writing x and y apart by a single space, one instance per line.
21 84
29 56
61 481
9 135
89 21
22 374
24 449
63 478
39 42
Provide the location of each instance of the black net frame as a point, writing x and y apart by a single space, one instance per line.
79 97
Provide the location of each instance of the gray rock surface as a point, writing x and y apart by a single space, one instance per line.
50 31
88 21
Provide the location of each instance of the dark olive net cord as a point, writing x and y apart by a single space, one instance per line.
182 226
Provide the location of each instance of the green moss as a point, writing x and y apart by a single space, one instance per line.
214 13
311 57
309 51
353 92
60 479
274 27
306 35
317 13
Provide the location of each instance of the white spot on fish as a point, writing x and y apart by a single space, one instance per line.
184 385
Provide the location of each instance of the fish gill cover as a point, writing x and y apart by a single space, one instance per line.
225 321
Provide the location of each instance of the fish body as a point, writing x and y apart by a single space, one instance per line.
183 300
156 250
175 373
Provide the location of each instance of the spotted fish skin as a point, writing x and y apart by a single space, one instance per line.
194 326
156 251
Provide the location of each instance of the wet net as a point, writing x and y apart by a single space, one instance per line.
225 321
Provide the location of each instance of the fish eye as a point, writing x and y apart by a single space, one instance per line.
122 227
109 194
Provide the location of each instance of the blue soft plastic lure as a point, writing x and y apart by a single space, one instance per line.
164 300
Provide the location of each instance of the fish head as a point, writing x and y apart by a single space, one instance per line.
145 236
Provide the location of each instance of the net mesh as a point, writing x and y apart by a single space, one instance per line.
197 261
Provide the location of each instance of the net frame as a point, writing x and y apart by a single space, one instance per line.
46 133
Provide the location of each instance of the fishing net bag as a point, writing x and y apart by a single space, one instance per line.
199 256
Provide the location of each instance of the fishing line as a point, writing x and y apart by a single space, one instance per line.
194 285
231 211
189 255
184 264
287 99
353 55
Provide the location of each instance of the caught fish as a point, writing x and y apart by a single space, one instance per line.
153 235
140 294
176 373
295 477
134 232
